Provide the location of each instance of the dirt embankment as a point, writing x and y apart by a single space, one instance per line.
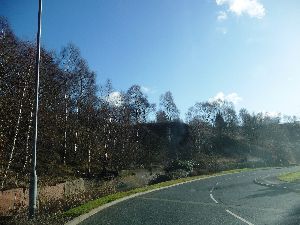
17 199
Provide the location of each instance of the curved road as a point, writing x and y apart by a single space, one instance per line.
243 198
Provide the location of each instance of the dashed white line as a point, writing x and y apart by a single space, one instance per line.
238 217
211 190
212 197
228 211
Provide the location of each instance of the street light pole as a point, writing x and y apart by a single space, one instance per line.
33 176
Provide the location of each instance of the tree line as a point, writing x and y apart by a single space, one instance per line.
85 128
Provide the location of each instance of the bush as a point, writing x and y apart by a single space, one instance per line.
158 178
178 174
179 165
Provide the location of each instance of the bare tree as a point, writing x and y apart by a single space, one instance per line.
169 107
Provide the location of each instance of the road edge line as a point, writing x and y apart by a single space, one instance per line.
212 197
238 217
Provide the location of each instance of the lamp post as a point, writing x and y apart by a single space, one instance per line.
33 176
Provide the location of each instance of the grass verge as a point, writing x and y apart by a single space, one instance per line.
290 177
87 207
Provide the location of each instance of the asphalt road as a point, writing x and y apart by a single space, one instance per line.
228 199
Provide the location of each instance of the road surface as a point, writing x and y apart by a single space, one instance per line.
243 198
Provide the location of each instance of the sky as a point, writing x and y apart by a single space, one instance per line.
245 51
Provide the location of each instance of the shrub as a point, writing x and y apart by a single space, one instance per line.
179 165
180 173
158 178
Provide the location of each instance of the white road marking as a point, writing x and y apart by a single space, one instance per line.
212 189
238 217
212 197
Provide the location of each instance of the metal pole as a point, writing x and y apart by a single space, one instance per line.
33 177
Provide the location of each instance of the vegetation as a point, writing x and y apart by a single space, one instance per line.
94 131
90 130
290 177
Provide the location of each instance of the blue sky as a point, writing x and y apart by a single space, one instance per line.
243 50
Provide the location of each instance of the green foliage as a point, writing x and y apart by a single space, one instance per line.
290 177
179 165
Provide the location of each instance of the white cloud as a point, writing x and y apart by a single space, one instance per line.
252 8
145 89
115 98
222 16
148 90
232 97
273 114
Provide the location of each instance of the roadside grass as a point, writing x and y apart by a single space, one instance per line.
88 206
290 177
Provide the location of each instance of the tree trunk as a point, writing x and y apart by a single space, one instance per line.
65 135
27 138
15 137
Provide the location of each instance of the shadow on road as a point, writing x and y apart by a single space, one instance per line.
291 218
269 192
